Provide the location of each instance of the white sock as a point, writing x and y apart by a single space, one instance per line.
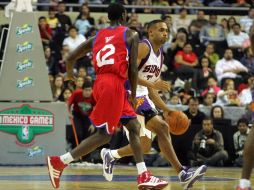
66 158
244 183
115 154
141 167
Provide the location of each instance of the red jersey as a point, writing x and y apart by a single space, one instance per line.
110 52
80 104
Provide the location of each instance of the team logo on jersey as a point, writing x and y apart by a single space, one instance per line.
26 64
107 39
26 122
26 28
152 69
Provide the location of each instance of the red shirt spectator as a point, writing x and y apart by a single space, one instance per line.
81 104
186 57
45 31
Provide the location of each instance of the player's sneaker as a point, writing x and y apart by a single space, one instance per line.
108 164
147 181
55 168
246 188
188 176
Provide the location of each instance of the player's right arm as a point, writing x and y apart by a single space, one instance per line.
143 51
132 40
79 52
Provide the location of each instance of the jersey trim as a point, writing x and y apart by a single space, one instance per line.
144 60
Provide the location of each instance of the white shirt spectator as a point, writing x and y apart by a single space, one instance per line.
237 40
245 96
224 65
246 23
73 43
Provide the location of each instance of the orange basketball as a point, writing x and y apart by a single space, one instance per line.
178 122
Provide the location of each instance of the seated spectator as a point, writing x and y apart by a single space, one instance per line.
204 73
248 60
193 112
228 95
65 95
79 82
74 39
231 22
239 140
175 100
183 21
236 40
228 67
85 13
208 145
52 21
45 31
224 24
51 62
247 21
61 64
102 23
185 61
213 33
82 72
57 87
246 96
144 3
177 45
217 112
83 25
200 20
211 55
64 19
212 87
208 100
186 92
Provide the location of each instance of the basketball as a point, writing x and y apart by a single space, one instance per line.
178 122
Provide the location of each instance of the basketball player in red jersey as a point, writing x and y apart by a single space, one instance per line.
150 60
114 55
248 157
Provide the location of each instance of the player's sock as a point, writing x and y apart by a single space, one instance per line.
141 167
66 158
115 154
244 183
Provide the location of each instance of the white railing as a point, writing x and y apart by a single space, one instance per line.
72 5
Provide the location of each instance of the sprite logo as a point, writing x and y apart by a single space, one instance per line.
26 82
35 151
24 30
26 64
25 47
26 122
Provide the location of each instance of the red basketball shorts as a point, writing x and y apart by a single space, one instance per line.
111 102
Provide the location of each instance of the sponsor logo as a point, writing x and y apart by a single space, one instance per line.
24 29
26 122
25 47
107 39
26 82
35 151
23 66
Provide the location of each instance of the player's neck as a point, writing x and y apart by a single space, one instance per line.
115 23
156 47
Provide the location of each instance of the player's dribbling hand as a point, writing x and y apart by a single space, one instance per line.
162 85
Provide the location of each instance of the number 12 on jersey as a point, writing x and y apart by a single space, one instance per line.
104 60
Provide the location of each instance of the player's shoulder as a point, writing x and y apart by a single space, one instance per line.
144 46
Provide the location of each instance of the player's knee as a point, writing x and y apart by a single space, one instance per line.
103 136
133 127
162 129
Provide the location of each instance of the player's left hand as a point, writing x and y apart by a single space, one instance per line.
162 85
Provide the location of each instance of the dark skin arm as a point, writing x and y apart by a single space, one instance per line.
132 41
79 52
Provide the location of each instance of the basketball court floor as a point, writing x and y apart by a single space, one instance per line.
90 178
